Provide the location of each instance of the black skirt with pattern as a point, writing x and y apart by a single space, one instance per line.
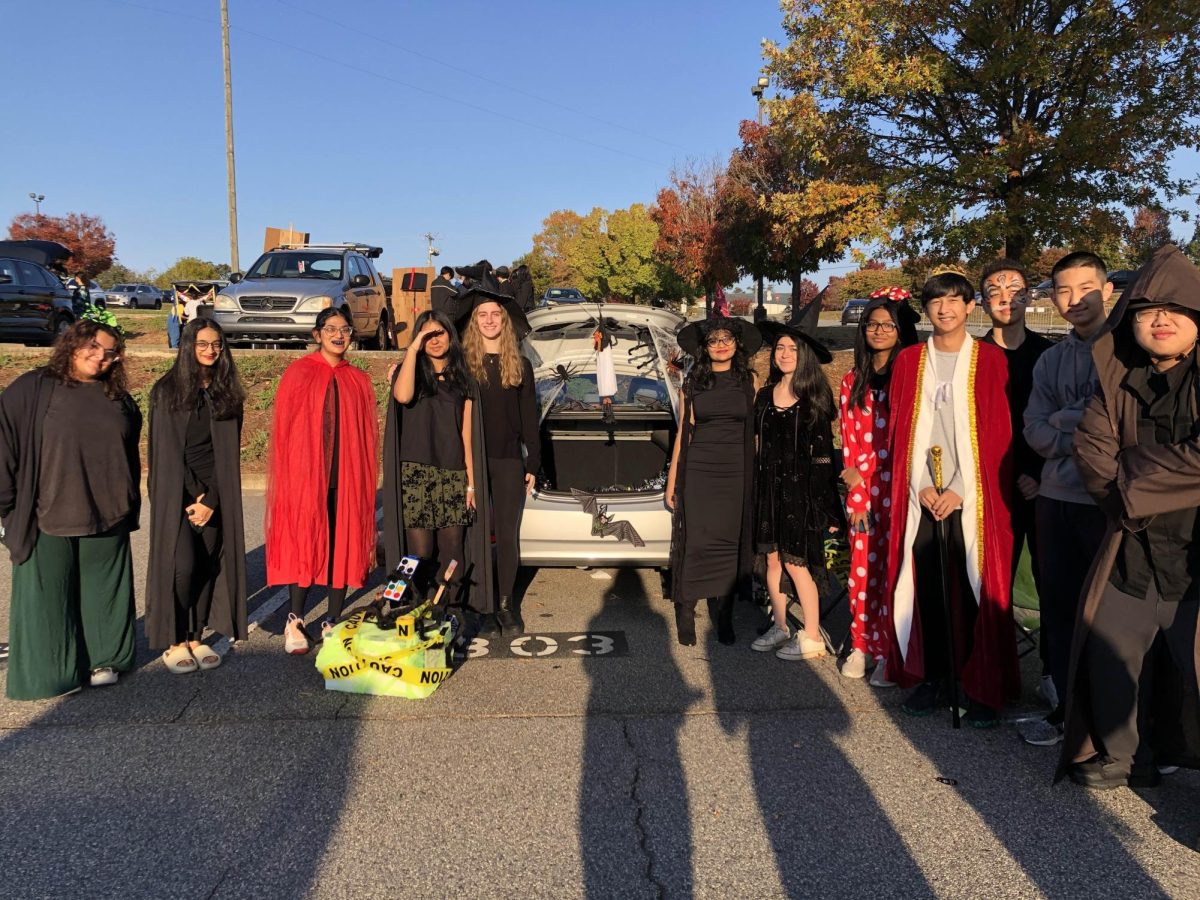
433 497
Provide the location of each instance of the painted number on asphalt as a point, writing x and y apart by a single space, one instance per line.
543 646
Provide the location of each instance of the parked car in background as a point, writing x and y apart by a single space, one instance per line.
95 294
279 297
35 306
1120 279
562 295
135 296
598 474
853 310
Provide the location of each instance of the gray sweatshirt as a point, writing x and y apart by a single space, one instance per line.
1064 379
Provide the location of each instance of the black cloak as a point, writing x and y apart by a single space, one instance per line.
478 584
227 614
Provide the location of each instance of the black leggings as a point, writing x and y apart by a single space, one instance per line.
337 596
442 544
507 478
197 556
963 608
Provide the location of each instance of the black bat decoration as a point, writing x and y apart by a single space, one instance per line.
602 523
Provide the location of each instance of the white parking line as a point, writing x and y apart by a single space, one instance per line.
268 608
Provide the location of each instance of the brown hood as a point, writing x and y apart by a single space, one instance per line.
1169 277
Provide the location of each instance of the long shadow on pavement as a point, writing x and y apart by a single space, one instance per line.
828 832
634 820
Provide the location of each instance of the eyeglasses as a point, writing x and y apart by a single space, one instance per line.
215 346
109 355
720 341
334 331
1150 313
885 327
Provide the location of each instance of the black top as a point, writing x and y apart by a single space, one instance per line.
432 430
510 415
1021 361
199 461
1167 551
85 483
441 292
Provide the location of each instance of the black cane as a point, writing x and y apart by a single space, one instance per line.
943 537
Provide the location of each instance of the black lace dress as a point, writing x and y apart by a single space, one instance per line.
796 483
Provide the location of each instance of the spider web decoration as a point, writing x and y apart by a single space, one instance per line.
672 375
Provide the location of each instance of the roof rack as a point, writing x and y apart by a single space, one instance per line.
365 249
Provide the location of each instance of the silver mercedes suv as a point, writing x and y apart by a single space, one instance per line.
279 297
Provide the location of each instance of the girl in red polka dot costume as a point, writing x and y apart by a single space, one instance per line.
887 324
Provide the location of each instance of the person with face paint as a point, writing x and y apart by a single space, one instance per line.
493 328
1133 692
69 497
197 573
709 485
951 393
430 446
797 504
320 526
1003 285
886 327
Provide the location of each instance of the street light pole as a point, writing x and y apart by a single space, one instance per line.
760 311
37 202
233 232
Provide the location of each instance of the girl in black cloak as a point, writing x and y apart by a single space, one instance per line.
709 485
434 464
197 573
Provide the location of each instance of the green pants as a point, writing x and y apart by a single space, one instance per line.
72 611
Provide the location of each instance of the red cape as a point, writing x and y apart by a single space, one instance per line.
991 675
297 524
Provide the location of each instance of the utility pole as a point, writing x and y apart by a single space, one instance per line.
760 310
233 234
431 251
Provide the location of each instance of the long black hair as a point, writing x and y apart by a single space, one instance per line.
865 375
454 375
179 389
701 376
808 384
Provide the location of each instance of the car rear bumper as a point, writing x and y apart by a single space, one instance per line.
555 531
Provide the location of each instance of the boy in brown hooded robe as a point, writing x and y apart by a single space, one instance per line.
1132 704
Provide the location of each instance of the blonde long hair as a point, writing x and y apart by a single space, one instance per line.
512 372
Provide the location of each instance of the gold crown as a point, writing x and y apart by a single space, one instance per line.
946 269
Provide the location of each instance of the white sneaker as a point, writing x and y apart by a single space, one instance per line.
772 639
103 677
879 677
295 641
855 665
1047 691
801 646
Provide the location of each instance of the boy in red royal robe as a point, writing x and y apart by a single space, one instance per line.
950 392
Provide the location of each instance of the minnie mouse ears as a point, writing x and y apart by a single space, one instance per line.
891 293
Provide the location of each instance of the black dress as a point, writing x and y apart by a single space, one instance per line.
714 490
796 489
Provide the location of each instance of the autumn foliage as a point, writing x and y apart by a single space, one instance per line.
89 240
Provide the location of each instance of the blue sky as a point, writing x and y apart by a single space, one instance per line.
368 120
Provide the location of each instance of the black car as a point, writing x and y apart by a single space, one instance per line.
853 311
1121 278
35 306
562 295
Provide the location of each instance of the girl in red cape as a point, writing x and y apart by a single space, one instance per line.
950 392
322 475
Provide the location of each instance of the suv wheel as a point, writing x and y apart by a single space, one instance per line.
380 340
158 304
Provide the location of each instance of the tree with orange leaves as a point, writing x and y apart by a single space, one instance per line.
89 240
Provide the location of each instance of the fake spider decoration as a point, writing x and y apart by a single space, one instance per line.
677 361
564 373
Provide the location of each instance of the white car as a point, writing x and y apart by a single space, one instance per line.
595 474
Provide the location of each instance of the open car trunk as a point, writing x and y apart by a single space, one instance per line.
580 451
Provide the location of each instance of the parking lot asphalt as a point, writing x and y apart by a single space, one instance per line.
663 772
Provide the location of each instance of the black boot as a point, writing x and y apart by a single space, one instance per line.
720 610
685 622
489 624
509 617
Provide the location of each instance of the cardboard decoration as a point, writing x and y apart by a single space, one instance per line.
277 237
410 298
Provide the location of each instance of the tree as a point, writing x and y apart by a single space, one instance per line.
866 280
192 268
1151 230
612 255
89 240
1192 249
990 121
796 195
691 242
559 230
